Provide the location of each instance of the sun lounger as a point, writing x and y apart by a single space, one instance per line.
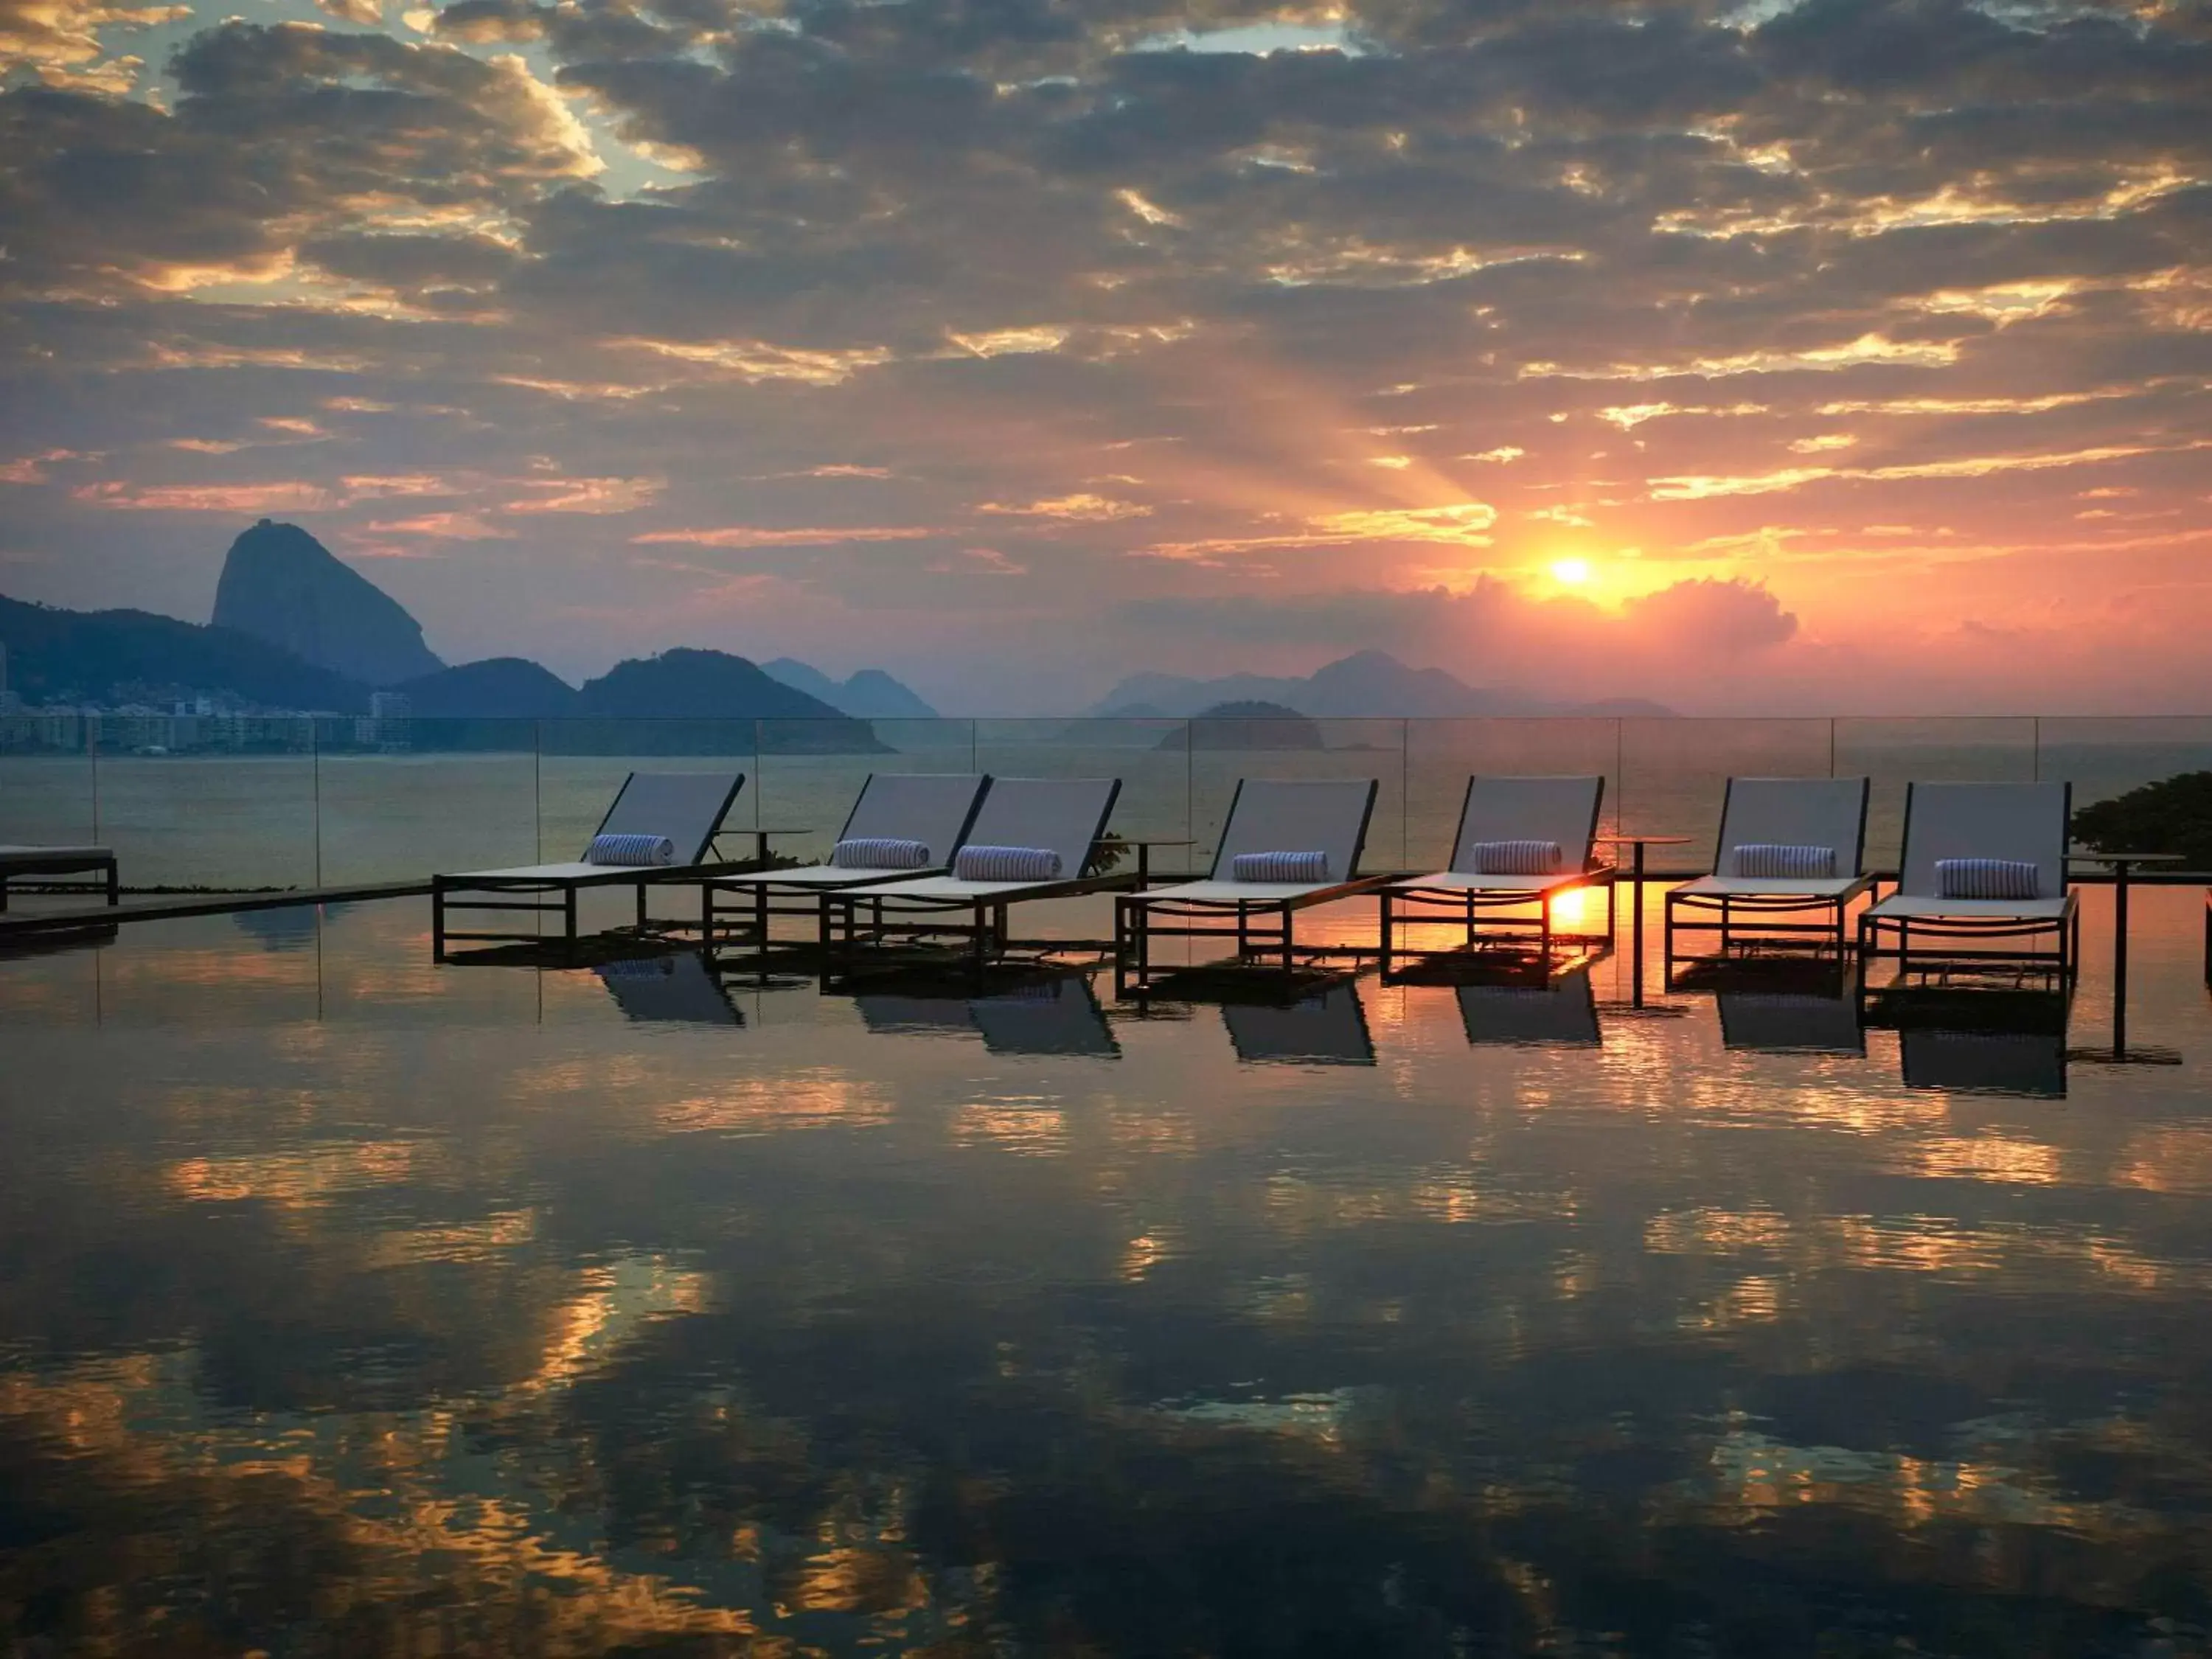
685 809
1521 842
1326 818
1044 828
1973 836
100 861
930 809
1768 872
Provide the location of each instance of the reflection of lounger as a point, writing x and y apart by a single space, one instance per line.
931 809
1058 1016
100 861
1327 1029
1560 1013
1320 822
2025 1063
684 808
676 989
1790 1022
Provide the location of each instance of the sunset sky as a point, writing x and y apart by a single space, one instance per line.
1796 357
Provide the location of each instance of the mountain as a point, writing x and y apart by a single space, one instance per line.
281 585
1369 685
871 694
496 688
715 687
120 656
1247 725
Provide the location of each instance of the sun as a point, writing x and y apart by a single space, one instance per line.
1571 573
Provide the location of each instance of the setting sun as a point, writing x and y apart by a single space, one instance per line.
1571 573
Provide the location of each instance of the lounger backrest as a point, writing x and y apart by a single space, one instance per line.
2027 821
1794 812
1278 815
1068 815
1561 809
687 807
934 808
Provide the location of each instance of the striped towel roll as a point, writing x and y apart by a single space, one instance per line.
1516 858
1278 866
1987 878
973 863
879 853
1772 860
639 851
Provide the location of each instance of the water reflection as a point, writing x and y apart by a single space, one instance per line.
1559 1010
879 1327
1982 1040
1785 1007
678 989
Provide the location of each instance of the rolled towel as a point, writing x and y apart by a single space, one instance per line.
1517 858
973 863
639 851
879 853
1773 861
1279 866
1987 878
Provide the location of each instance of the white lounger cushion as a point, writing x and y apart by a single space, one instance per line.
1909 907
1467 881
12 852
1823 887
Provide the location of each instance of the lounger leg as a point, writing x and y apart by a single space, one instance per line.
641 906
760 918
1242 944
1386 933
1612 901
1470 921
4 911
1903 946
1543 932
114 885
437 919
1140 922
1287 941
1727 936
568 911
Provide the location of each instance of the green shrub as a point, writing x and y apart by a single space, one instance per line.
2173 815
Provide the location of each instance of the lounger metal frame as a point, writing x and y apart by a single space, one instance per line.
62 861
813 898
2063 957
528 894
1758 914
1133 912
1408 905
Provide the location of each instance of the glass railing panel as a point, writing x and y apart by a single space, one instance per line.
1441 755
1675 773
223 802
1895 752
810 771
2103 757
1150 757
402 799
47 781
582 763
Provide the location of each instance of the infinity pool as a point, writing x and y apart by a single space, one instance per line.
350 1305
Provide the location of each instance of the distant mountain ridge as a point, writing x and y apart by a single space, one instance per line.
284 587
1370 684
122 656
868 694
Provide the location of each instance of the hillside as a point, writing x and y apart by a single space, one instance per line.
496 688
711 689
121 656
1368 685
869 694
283 587
1247 725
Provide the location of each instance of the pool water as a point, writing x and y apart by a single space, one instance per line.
351 1305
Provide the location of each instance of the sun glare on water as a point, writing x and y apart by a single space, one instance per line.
1571 573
